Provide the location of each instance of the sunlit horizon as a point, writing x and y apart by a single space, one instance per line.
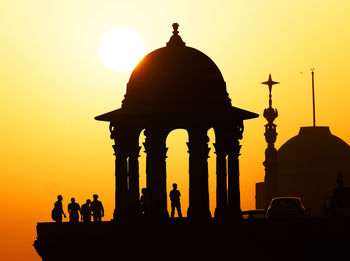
53 83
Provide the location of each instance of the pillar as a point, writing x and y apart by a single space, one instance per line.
121 187
221 180
133 180
156 173
198 174
234 200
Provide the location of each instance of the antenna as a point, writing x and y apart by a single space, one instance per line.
313 97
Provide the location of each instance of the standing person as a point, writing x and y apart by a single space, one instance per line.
175 201
97 209
57 211
73 210
86 212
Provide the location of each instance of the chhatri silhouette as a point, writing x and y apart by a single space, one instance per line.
176 87
180 87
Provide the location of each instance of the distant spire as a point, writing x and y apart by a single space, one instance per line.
270 83
313 97
175 39
270 163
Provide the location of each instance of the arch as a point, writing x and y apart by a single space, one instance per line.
212 170
142 161
177 166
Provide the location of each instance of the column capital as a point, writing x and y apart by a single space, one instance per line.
237 130
220 149
201 150
198 142
112 130
134 151
154 148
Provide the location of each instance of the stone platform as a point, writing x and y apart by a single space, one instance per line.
306 239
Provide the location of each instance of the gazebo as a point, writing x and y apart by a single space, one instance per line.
176 87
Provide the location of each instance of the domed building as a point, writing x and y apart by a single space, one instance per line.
173 87
306 166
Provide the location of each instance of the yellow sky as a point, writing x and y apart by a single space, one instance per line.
52 84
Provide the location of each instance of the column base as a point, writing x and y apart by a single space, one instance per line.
235 214
199 215
221 213
159 217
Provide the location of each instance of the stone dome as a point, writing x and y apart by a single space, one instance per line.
174 77
308 165
180 84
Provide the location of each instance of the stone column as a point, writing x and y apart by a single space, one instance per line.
156 173
234 200
133 181
121 188
198 171
221 177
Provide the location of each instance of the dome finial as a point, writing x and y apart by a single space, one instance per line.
175 39
175 26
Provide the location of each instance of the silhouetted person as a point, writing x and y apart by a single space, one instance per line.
175 201
57 211
97 209
144 201
86 212
73 210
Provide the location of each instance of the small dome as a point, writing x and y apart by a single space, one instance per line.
176 76
308 165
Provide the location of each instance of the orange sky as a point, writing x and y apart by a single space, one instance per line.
53 83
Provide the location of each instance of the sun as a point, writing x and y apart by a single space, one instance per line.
121 49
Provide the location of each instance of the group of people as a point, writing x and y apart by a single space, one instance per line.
174 199
95 208
90 208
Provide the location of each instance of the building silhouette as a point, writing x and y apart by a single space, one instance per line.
173 87
306 166
179 87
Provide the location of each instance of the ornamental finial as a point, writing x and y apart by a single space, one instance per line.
175 39
175 26
270 83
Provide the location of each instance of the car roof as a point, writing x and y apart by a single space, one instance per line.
286 198
254 211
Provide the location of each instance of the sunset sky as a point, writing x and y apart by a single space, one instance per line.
53 83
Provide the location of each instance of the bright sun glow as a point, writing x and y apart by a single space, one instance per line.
121 49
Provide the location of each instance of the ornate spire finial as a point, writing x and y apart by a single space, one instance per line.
175 26
175 39
270 83
270 115
270 163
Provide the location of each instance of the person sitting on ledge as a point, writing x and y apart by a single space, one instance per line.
57 211
73 210
97 209
175 201
86 212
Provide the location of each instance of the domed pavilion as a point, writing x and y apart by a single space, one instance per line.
174 87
